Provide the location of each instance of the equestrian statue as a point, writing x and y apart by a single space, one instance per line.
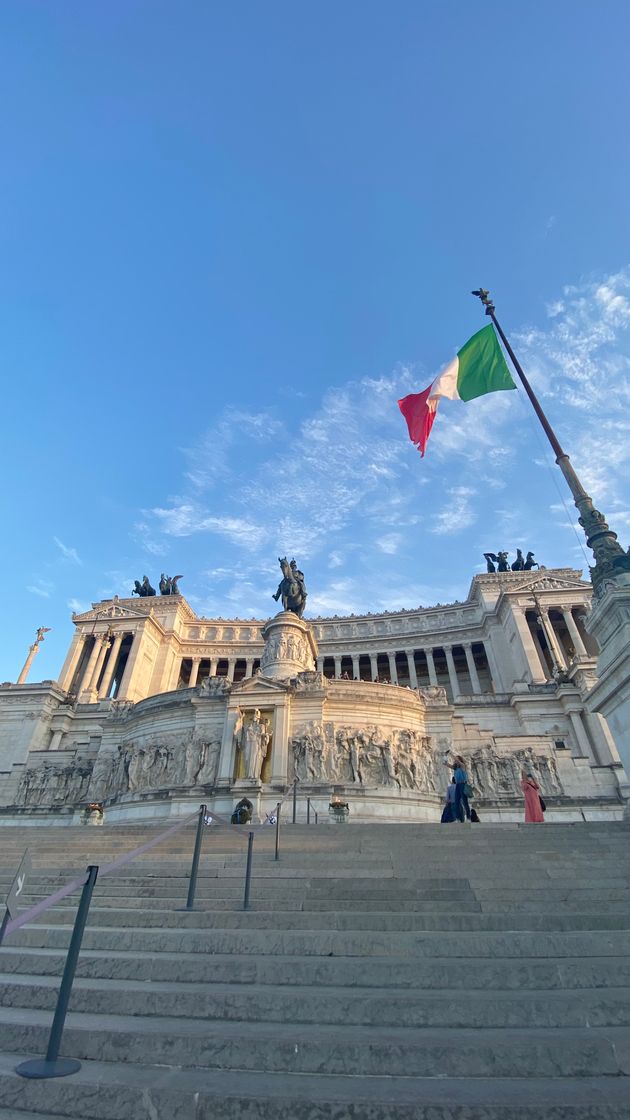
291 588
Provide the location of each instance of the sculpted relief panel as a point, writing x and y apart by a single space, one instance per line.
496 775
370 756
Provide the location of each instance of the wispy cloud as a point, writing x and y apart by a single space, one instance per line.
42 587
78 606
459 513
68 553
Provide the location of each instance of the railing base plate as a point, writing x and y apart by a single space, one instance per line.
40 1068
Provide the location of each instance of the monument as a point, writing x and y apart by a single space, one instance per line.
156 708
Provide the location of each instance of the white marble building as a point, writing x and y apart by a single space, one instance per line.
156 709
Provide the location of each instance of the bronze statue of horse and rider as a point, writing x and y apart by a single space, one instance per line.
291 588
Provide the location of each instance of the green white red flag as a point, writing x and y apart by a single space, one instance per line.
478 368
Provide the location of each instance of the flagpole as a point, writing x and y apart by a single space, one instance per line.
610 558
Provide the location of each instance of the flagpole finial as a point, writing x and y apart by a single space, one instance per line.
484 295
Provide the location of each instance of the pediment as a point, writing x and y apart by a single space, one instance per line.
259 684
547 581
107 611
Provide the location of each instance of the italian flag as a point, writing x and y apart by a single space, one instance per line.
478 368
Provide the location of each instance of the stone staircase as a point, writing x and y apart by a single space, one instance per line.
392 972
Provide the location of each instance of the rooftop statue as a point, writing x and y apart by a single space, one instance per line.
169 586
291 588
143 589
498 562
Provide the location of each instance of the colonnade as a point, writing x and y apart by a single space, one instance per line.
552 639
91 675
462 665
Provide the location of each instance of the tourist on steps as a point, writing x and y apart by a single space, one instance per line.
531 792
460 777
448 813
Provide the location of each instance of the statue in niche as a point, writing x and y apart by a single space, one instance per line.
291 589
256 739
168 585
143 589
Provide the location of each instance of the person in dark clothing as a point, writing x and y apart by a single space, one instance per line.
460 776
243 812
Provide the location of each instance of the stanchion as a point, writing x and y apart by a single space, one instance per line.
194 867
278 808
248 870
316 816
308 810
294 800
52 1065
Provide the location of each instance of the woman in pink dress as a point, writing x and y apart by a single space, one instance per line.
531 791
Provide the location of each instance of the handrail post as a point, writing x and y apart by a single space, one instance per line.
194 867
316 816
308 810
294 800
248 870
52 1065
277 852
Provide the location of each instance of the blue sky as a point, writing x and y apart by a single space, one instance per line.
232 235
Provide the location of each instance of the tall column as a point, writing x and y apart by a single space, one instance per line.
576 637
373 666
319 665
213 667
89 669
539 649
32 650
110 669
231 668
57 736
280 746
431 667
125 684
552 638
393 675
495 676
72 660
472 668
584 745
249 666
452 672
413 676
194 672
337 661
535 669
105 644
355 666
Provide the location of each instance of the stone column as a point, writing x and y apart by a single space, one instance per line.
584 745
32 650
574 633
125 684
280 746
373 666
552 638
355 666
535 669
452 672
231 668
413 676
337 661
320 664
102 653
431 667
213 667
194 672
72 660
249 666
539 650
84 686
226 757
393 675
57 736
110 669
472 668
495 677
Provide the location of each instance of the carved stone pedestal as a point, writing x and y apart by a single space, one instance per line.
290 647
609 623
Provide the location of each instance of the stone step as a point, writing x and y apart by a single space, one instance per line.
358 1006
452 974
323 1049
100 1091
339 942
432 916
